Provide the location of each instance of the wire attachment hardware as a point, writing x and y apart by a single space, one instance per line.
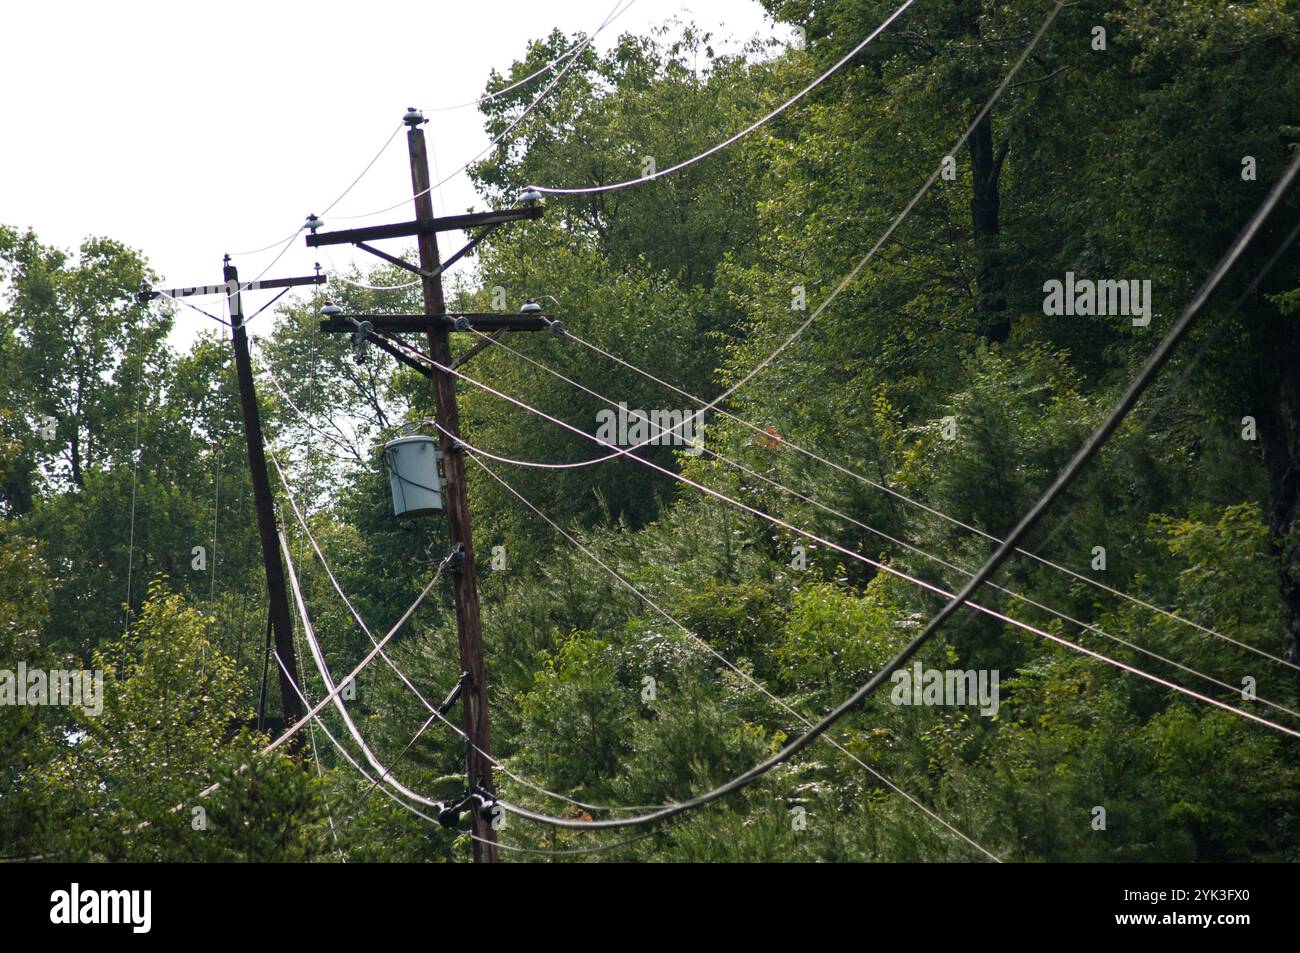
466 678
363 330
449 816
456 559
487 804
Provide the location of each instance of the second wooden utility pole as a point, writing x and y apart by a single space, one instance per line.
264 505
469 631
279 621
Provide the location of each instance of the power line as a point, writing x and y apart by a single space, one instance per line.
1084 454
369 165
596 189
784 441
613 14
576 48
989 568
385 772
852 554
862 263
745 676
320 555
713 404
871 529
323 668
135 467
337 441
341 750
1148 372
206 314
315 710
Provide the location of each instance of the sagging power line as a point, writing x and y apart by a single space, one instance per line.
656 427
1137 386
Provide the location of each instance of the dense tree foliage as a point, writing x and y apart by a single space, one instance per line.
647 641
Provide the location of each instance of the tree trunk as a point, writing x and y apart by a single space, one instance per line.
991 318
1278 425
77 476
991 302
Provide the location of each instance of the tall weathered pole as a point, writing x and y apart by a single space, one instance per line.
281 621
464 582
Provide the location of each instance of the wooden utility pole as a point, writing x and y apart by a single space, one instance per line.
464 584
437 326
280 621
264 506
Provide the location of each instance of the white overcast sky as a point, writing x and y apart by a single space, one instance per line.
187 130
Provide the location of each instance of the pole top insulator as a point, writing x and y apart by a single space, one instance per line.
313 222
413 117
